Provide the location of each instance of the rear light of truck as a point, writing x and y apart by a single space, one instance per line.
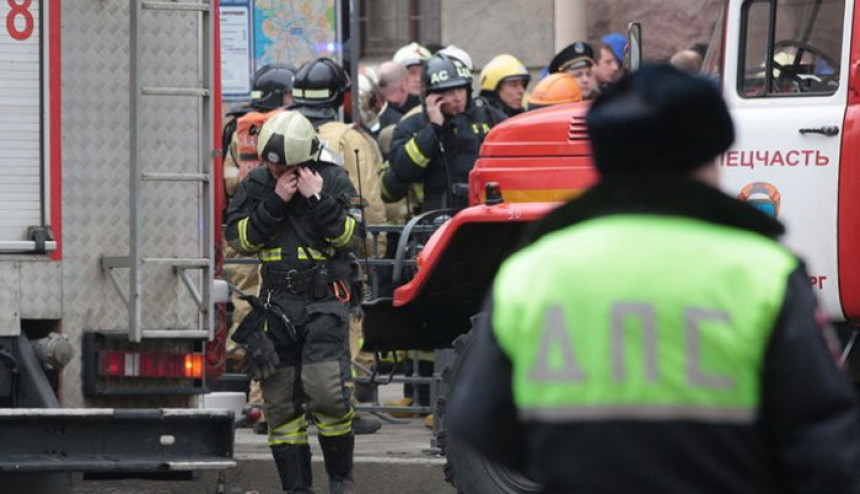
150 364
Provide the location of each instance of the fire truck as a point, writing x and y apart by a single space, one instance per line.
790 73
109 327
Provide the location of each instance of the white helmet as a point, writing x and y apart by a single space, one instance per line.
412 54
288 139
460 54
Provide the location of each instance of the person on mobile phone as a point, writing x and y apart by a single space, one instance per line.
438 147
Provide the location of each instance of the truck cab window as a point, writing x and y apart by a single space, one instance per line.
712 65
790 47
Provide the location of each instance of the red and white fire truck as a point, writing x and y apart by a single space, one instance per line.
109 215
790 73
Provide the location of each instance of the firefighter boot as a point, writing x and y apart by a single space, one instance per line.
337 452
294 467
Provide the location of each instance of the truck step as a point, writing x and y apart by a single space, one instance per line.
174 91
177 6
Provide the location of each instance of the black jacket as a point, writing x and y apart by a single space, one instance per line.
492 99
805 437
392 113
259 222
416 153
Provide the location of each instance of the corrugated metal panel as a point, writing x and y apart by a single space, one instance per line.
95 66
20 151
10 294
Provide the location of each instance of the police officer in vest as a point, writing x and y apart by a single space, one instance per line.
293 214
439 146
654 336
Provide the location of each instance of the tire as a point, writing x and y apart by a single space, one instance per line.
465 469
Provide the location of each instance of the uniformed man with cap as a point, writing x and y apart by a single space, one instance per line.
577 59
695 358
293 214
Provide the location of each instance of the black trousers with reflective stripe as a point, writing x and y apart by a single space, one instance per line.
315 369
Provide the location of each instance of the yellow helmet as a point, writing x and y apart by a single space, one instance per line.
502 68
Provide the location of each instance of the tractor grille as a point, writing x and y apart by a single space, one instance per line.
577 130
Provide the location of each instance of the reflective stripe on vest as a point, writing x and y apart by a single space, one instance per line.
348 229
640 317
315 254
269 255
415 154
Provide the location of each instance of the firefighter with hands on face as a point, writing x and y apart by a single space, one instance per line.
293 214
697 359
318 91
503 83
439 146
272 89
577 59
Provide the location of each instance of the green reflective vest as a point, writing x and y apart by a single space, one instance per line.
640 317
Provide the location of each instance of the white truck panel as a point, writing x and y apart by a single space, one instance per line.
21 203
806 170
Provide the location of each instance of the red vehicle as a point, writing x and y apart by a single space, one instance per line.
788 71
108 215
528 165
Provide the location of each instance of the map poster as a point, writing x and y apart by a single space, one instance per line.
235 19
255 33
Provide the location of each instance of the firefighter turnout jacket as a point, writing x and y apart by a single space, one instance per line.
362 162
295 235
655 338
438 156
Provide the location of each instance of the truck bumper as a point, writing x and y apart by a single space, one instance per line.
115 440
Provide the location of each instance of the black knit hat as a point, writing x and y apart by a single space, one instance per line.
658 120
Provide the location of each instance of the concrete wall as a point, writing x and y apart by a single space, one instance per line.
486 28
527 28
667 25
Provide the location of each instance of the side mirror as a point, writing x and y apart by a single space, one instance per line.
633 57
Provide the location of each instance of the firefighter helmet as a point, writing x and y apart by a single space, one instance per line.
270 83
320 83
502 68
412 54
288 139
555 89
443 72
460 54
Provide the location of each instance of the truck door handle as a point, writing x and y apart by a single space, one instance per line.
827 130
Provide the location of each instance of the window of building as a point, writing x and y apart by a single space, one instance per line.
386 25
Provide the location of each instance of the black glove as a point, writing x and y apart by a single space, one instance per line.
261 359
